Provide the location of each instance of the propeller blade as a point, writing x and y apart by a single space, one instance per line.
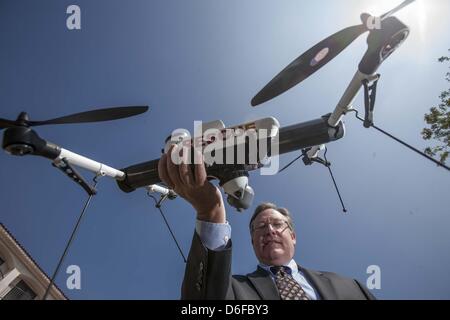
308 63
7 123
399 7
94 116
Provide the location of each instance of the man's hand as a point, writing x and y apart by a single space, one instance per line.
193 186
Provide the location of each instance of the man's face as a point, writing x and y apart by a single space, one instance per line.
273 241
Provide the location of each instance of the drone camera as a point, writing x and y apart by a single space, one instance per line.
240 194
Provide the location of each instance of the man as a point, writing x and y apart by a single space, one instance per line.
208 269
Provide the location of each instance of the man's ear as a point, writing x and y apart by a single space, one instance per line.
293 237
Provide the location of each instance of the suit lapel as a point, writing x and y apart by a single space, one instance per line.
267 290
264 284
321 283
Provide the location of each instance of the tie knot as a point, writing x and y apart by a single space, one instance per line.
280 270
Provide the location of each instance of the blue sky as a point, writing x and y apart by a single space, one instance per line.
205 60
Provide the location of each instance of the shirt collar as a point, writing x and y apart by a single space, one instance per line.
292 265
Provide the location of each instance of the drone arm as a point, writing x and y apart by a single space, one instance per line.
21 141
89 164
345 104
104 170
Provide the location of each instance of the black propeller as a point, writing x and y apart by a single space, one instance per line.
308 63
6 123
315 58
88 116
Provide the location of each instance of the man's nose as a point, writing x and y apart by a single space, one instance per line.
270 229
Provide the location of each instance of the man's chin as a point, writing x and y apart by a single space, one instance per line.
277 258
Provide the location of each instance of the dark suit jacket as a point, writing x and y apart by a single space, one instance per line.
208 276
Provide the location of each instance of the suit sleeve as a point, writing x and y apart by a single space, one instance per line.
208 272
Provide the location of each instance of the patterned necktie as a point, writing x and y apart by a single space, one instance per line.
288 288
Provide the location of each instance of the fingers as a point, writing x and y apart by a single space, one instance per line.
200 171
186 175
162 171
172 169
185 171
178 176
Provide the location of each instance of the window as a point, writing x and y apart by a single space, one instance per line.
21 291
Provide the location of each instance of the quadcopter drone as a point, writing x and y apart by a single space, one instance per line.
20 139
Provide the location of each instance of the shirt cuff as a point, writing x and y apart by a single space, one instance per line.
214 236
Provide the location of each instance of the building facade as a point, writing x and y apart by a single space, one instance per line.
21 278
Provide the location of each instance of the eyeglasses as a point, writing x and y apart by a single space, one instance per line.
277 225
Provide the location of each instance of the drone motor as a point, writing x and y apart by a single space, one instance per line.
382 43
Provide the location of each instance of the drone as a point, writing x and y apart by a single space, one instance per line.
20 139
